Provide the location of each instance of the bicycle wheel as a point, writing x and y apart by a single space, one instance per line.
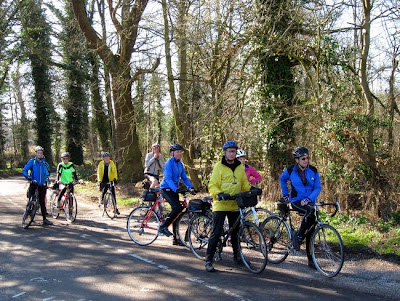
252 248
70 208
277 236
199 232
109 205
182 227
142 225
327 250
54 211
29 214
262 214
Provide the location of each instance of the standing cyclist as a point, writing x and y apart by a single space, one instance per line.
107 172
305 186
66 174
228 178
252 175
173 173
154 165
37 171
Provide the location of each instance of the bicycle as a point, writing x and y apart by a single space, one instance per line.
326 245
252 248
144 221
68 203
31 208
108 204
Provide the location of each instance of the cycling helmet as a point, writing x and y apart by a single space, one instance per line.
39 148
175 147
240 153
106 154
229 144
63 155
300 152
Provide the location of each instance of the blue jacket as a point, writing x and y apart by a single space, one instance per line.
173 171
299 191
39 170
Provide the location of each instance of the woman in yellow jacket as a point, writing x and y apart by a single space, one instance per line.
106 173
228 178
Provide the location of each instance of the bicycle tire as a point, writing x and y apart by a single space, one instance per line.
252 248
327 250
199 233
71 208
109 205
54 211
143 225
277 236
29 214
182 228
262 215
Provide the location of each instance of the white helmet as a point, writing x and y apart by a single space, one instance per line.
240 153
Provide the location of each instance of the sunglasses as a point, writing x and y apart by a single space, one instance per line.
304 159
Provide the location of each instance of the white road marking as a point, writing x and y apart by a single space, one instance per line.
20 294
50 298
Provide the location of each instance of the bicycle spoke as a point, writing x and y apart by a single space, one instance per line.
182 228
277 237
199 233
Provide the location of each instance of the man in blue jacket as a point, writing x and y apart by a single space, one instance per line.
305 186
173 173
37 171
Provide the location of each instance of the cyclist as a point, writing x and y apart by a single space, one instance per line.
173 173
252 175
305 186
66 174
37 171
228 178
154 165
107 172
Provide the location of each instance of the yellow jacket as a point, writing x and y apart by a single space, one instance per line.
112 171
223 179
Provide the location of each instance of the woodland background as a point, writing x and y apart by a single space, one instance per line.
106 75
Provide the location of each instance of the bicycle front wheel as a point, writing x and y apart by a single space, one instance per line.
277 236
252 248
199 232
54 211
327 250
182 228
29 214
70 208
143 225
109 205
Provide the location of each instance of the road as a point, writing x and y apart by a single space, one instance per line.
94 259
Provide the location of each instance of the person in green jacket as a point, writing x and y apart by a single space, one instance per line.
227 179
66 175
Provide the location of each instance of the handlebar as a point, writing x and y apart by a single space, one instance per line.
252 191
336 204
186 191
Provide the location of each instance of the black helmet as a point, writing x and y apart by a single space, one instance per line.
63 155
229 144
300 152
175 147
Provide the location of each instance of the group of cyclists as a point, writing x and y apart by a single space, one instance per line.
230 176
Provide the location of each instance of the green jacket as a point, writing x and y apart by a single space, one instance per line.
66 173
224 179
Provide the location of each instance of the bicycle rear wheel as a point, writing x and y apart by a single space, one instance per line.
277 236
70 208
252 248
327 250
199 232
182 228
54 211
142 226
29 214
109 205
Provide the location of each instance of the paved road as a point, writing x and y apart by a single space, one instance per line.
94 259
